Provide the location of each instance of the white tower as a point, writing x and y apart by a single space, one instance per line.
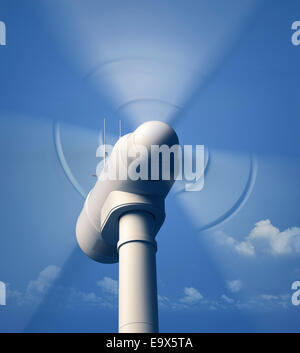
120 220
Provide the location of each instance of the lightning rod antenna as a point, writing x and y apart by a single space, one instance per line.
104 141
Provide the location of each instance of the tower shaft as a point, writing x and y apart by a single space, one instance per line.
137 273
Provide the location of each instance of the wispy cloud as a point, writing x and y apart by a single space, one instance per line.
192 299
109 285
227 299
192 296
83 299
270 301
63 295
37 288
264 238
235 285
163 301
269 297
225 303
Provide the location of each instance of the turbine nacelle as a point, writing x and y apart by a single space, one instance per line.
97 228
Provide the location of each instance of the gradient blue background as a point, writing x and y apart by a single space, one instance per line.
248 103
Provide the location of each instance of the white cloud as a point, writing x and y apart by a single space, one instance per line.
244 248
268 297
44 281
193 300
68 296
192 296
270 301
36 289
222 239
163 301
109 285
267 238
264 238
71 297
190 300
235 285
227 299
91 299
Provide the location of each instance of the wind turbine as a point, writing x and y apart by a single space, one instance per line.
141 78
120 220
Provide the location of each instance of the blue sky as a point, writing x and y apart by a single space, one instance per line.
223 74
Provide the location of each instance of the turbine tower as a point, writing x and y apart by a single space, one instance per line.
120 220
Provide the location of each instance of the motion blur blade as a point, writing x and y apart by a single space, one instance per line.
76 149
229 178
41 206
147 53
